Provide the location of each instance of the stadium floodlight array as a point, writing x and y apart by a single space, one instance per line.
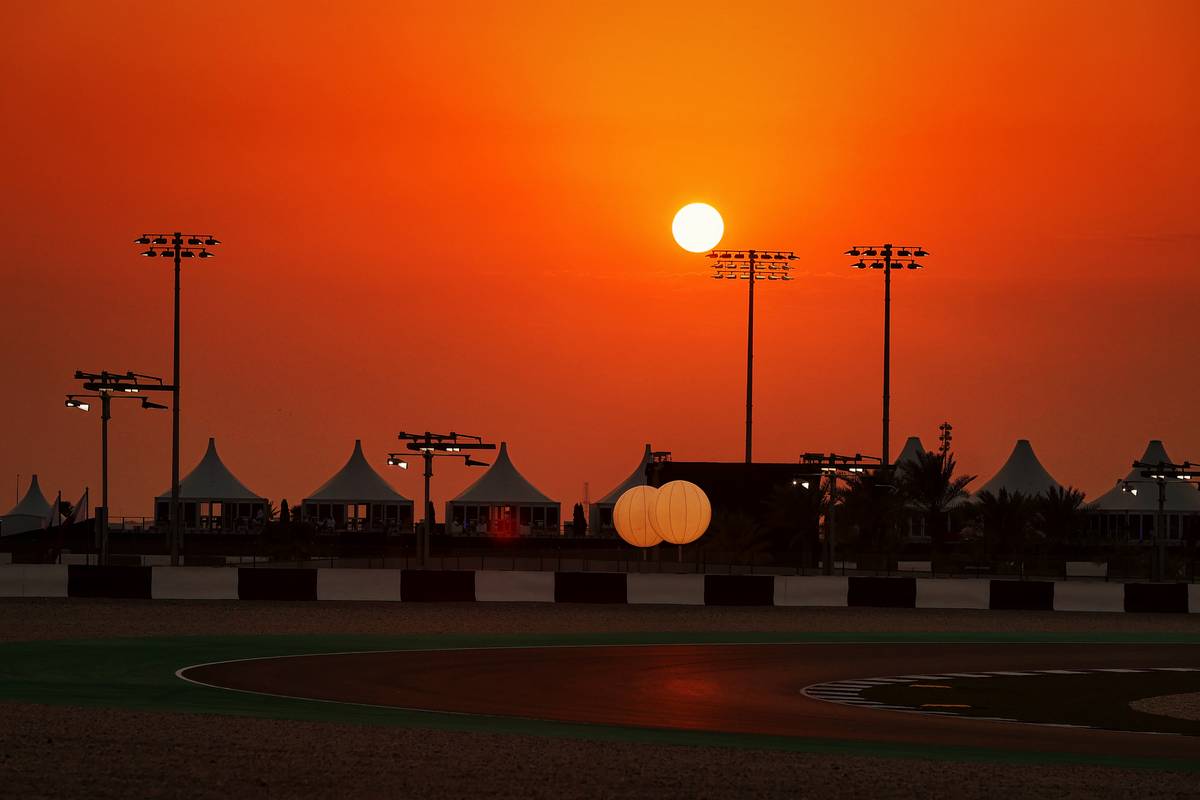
431 445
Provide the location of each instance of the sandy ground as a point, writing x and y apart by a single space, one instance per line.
63 752
26 619
1182 706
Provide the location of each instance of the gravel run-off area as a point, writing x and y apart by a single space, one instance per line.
68 752
1182 706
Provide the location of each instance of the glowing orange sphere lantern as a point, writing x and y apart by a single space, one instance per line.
632 516
681 512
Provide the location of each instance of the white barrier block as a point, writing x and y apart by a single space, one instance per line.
686 590
953 593
1088 596
1194 598
1087 569
193 583
514 586
358 584
815 590
44 580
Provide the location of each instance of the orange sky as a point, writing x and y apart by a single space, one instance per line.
460 218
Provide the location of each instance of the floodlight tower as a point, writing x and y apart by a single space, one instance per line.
107 387
887 258
177 246
431 445
751 266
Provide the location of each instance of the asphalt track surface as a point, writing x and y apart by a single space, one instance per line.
728 688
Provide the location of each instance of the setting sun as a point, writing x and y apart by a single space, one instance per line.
698 227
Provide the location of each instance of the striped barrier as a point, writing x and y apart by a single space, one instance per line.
882 592
514 587
437 586
590 587
739 590
357 584
1021 595
394 585
193 583
276 584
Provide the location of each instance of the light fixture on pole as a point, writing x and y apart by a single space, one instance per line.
751 266
1161 473
832 466
176 246
431 445
889 259
109 386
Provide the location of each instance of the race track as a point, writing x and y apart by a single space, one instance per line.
734 688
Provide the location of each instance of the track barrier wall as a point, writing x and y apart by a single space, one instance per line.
685 590
1022 595
193 583
128 583
952 593
1157 597
882 592
277 584
391 585
514 586
590 587
356 584
819 590
437 586
739 590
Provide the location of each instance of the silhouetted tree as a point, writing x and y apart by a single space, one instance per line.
794 518
1060 514
285 513
1007 518
870 504
737 534
929 484
578 520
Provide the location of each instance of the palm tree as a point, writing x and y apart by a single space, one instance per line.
929 484
1060 513
1007 518
794 516
736 534
871 504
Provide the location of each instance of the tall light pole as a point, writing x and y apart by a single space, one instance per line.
887 258
751 266
1161 473
107 386
431 445
173 245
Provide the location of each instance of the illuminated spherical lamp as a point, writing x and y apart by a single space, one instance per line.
632 513
681 512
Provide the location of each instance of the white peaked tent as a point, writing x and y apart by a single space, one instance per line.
1132 513
31 513
358 498
212 498
504 503
600 515
1022 472
912 448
